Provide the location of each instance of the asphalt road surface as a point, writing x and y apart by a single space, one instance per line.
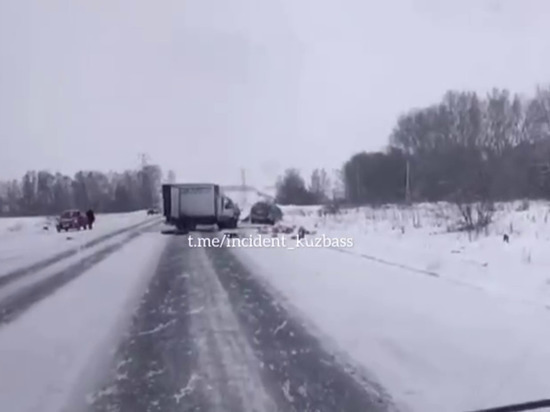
207 336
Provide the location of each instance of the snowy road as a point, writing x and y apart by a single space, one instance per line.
208 337
144 322
134 320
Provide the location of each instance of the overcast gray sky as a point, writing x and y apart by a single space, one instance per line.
206 87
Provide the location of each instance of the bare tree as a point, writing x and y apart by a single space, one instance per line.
291 189
319 186
42 193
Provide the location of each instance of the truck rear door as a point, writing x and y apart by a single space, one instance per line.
197 201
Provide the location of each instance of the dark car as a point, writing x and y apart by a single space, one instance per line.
153 211
265 212
72 219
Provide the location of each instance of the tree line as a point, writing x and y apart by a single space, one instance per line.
45 193
465 148
292 188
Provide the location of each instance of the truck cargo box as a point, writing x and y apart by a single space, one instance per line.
187 205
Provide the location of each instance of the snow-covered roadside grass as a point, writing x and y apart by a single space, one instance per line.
23 241
418 237
434 345
55 350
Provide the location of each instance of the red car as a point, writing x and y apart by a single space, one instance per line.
72 219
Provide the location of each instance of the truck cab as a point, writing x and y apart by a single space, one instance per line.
229 213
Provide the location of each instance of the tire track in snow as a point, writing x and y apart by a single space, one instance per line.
387 262
298 373
229 371
45 263
17 303
154 367
417 270
185 350
208 337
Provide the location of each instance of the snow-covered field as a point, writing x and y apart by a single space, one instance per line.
444 321
24 241
418 238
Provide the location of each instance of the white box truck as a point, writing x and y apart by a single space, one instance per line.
191 204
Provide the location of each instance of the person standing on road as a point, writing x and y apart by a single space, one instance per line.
91 218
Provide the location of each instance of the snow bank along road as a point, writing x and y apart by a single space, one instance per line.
160 326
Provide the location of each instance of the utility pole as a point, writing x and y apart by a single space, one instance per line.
146 190
408 183
143 159
358 186
243 187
